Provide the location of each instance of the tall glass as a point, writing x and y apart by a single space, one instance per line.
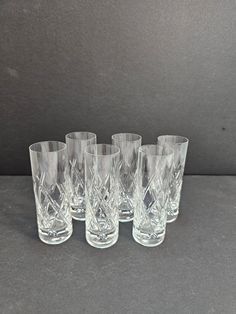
49 167
129 144
76 144
101 184
154 163
179 145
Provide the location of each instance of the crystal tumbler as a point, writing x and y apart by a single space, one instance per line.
76 143
101 189
179 145
149 225
129 144
49 165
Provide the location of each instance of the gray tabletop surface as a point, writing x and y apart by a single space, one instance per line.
193 271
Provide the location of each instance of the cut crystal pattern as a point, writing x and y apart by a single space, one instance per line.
129 144
176 181
77 179
101 210
150 215
179 145
127 182
53 209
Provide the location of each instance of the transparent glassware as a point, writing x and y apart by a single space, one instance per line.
76 144
179 145
101 186
152 190
129 144
49 165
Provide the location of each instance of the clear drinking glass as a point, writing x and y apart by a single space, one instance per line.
179 145
76 143
129 144
149 225
101 186
49 165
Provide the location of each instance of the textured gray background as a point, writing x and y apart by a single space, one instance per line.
107 66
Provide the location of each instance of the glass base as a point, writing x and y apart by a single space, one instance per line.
126 218
101 243
172 218
78 213
126 215
146 240
55 237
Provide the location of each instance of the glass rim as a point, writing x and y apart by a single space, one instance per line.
182 139
167 151
34 150
102 145
116 137
72 135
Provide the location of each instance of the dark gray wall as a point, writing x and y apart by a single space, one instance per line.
146 66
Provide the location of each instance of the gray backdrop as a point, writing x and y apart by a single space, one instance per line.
145 66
